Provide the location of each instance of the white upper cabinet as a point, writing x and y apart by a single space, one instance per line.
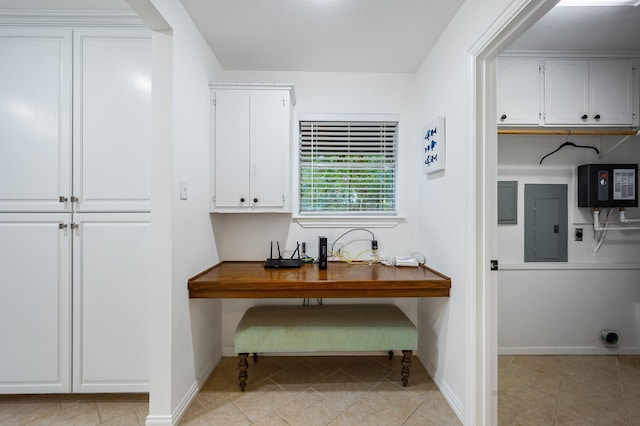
251 144
590 92
112 120
102 162
611 92
519 93
569 92
35 120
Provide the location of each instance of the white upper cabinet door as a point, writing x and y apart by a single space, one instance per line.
252 131
611 92
112 119
111 290
231 148
35 119
519 91
269 147
566 91
35 302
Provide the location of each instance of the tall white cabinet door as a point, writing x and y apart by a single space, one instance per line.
35 119
519 91
111 289
611 91
566 91
269 147
35 302
112 119
231 155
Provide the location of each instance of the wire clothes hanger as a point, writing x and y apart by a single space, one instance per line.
568 143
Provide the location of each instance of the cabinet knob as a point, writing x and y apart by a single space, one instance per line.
503 117
255 200
63 199
242 200
584 117
596 117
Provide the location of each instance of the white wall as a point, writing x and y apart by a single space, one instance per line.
186 339
247 236
560 308
446 202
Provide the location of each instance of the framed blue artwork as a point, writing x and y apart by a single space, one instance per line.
433 145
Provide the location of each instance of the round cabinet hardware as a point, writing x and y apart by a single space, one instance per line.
242 200
503 117
255 200
584 117
596 117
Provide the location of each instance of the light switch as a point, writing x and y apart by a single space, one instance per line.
183 189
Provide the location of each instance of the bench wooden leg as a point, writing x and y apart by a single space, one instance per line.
406 363
255 357
390 354
242 370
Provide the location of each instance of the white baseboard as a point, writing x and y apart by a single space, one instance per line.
569 350
444 388
186 401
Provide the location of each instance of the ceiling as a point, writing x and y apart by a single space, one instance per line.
362 35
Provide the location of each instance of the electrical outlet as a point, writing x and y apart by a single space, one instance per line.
578 234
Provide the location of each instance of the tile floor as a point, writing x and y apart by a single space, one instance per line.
533 390
351 390
569 390
74 409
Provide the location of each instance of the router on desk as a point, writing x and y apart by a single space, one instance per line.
279 262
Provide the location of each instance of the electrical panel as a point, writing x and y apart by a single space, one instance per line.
608 185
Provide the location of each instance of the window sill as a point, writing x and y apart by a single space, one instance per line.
348 221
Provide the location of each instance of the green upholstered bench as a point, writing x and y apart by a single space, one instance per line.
325 328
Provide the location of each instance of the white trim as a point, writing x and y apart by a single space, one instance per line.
443 387
348 222
571 54
349 117
69 18
568 350
482 306
548 266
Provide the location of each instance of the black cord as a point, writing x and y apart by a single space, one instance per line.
567 143
351 230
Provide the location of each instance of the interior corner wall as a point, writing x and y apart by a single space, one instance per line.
188 350
447 203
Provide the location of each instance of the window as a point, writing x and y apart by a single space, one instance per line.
348 167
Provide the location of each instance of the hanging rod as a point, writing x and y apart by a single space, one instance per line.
630 132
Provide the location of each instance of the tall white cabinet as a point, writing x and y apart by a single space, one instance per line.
75 131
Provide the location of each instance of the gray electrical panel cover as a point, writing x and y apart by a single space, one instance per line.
545 223
507 202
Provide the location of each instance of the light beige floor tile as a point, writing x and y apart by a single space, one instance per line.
540 374
127 419
326 365
271 420
342 389
297 377
369 371
224 414
309 409
393 400
261 400
596 412
437 411
78 413
21 410
362 414
86 419
526 407
110 409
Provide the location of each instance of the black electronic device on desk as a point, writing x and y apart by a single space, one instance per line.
279 262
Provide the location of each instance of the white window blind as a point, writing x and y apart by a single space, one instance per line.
348 166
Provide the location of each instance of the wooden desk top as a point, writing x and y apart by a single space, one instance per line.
252 280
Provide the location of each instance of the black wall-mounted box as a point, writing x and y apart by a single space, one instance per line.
608 185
